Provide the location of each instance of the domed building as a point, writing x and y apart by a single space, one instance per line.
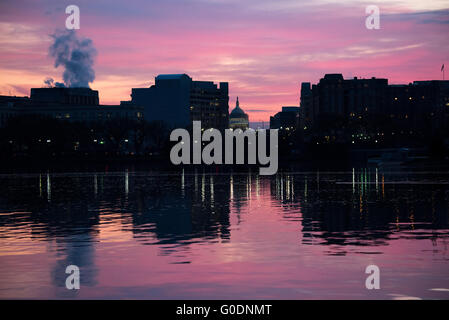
238 119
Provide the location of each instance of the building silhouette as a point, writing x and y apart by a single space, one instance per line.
422 104
341 110
334 95
71 104
306 106
177 100
355 97
287 119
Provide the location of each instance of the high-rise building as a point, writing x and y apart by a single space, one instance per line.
337 96
167 100
335 106
210 104
421 104
306 106
178 100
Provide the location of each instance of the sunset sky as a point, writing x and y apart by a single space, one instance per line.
263 48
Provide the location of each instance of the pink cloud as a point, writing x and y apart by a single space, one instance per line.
263 54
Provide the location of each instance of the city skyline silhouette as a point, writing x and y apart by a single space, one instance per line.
263 49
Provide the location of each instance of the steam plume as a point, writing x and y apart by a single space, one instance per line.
50 83
76 55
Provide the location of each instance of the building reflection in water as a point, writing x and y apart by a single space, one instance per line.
167 214
361 207
57 214
48 187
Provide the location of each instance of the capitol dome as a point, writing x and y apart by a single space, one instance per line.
238 119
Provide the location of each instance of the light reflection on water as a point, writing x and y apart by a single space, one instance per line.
290 236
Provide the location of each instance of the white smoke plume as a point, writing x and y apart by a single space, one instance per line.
76 55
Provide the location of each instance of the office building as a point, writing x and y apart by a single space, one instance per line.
348 110
178 100
71 104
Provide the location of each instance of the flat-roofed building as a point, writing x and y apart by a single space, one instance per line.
287 119
72 104
177 100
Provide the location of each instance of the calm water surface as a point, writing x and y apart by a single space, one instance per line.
242 236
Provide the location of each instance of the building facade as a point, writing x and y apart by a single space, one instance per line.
422 104
71 104
334 106
178 100
335 96
287 119
306 106
210 104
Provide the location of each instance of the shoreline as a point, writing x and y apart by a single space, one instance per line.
163 164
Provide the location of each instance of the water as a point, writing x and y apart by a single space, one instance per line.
242 236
